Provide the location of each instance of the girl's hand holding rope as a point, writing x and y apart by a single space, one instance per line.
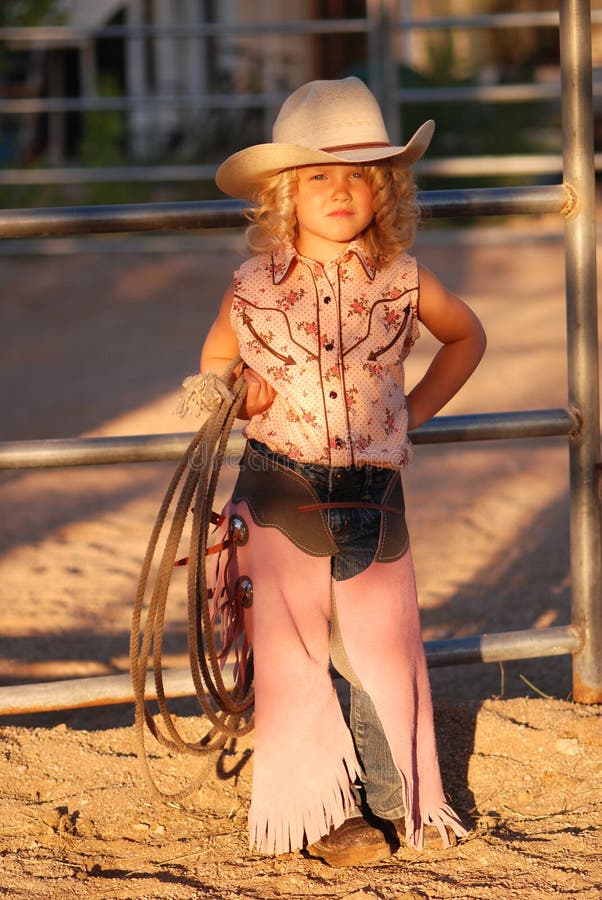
260 395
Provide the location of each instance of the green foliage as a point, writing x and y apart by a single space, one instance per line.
25 13
29 12
103 133
102 143
473 128
441 58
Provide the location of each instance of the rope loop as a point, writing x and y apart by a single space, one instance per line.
189 499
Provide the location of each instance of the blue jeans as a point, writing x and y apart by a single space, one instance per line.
356 533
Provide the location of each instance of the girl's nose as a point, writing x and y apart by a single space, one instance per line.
340 188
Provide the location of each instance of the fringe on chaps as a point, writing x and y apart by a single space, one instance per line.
305 761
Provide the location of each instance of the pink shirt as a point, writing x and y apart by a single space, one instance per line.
331 340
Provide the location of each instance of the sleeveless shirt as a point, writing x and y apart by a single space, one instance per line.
331 339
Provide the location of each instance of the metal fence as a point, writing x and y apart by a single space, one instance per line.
574 201
384 21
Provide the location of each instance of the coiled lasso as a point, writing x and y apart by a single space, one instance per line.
189 499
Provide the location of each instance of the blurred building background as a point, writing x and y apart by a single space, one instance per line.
107 99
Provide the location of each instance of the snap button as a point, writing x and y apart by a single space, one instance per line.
333 395
327 299
329 346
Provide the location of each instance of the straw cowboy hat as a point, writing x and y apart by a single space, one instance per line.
321 122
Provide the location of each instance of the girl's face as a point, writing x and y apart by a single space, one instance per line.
334 204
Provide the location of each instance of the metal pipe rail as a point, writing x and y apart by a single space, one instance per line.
60 452
44 34
582 342
104 690
484 93
377 26
534 19
27 105
494 93
371 25
53 221
450 166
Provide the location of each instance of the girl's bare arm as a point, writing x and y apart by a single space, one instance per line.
463 340
221 344
220 348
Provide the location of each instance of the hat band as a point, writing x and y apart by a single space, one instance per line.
354 146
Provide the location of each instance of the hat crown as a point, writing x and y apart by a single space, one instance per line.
322 115
321 123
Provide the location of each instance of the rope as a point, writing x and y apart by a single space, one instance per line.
189 497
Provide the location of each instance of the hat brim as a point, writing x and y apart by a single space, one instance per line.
240 174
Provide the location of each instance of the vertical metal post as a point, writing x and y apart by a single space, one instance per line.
390 106
580 260
56 119
137 83
166 57
375 43
87 68
381 72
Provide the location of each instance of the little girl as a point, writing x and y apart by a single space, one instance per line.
323 316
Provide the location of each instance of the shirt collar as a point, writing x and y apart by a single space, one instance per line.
284 256
282 259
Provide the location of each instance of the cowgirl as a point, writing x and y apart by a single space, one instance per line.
323 315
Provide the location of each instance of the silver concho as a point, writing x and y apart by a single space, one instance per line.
244 591
239 530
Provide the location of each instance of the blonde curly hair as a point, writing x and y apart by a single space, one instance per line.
273 221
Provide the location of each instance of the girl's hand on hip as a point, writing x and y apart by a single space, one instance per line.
260 395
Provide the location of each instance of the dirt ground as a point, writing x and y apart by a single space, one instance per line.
97 344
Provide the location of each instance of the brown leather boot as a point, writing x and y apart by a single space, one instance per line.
354 843
431 839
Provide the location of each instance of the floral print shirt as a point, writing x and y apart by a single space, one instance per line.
331 339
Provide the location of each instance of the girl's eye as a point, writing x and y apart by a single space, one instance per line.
318 177
357 174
